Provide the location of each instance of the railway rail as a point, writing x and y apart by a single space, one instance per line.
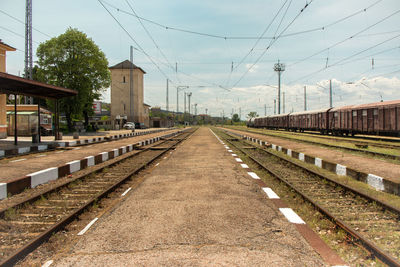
31 222
373 153
376 225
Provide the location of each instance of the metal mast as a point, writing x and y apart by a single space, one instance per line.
131 94
279 67
28 45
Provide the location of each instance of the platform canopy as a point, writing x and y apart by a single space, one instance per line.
11 84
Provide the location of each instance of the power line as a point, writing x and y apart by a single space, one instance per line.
272 42
334 64
346 39
150 36
211 35
130 36
20 21
261 36
20 35
140 49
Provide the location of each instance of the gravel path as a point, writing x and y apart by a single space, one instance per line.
197 208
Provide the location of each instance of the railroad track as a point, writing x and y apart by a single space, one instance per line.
374 224
373 153
31 222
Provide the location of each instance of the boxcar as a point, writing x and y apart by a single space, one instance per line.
381 118
313 120
278 121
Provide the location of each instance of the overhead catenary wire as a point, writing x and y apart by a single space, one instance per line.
261 36
271 43
344 59
140 49
211 35
346 39
150 36
23 22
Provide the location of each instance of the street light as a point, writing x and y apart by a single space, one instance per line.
179 88
279 67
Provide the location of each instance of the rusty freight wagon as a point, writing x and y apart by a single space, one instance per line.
313 120
380 118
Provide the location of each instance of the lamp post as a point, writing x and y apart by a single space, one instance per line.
189 95
279 67
179 88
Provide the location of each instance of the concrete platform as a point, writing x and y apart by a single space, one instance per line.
30 171
25 145
198 207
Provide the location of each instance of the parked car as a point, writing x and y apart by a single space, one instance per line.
140 125
129 126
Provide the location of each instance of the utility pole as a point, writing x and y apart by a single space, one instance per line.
240 113
195 109
206 110
330 93
167 97
283 95
279 67
189 95
305 98
265 109
184 106
178 88
131 110
28 46
274 106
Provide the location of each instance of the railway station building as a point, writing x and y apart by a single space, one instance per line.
4 48
126 101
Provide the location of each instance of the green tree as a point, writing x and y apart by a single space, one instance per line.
72 60
252 114
235 118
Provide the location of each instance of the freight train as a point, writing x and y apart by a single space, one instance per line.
381 118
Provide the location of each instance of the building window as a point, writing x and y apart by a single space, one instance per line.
364 113
375 112
336 114
123 79
354 113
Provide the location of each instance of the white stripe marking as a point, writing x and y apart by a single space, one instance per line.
42 155
291 216
234 155
238 160
376 182
60 151
126 191
16 160
22 150
230 150
165 158
87 226
341 170
3 190
48 263
244 166
270 193
318 162
77 148
157 164
253 175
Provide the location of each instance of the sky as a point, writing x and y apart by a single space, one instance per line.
224 52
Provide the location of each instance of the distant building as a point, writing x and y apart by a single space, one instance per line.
161 118
3 113
27 120
120 95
